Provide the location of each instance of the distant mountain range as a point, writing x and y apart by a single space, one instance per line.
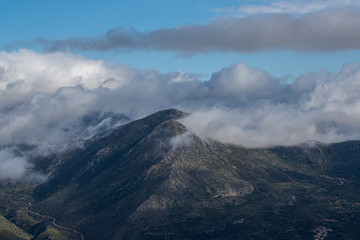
154 179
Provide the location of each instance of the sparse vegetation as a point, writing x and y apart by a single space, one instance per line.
9 231
132 184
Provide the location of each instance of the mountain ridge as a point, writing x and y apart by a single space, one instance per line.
154 179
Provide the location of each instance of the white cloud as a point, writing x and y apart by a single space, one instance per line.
242 82
45 96
49 72
49 103
181 140
328 112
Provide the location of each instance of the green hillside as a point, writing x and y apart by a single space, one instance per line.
9 231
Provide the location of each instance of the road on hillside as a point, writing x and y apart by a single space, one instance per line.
53 220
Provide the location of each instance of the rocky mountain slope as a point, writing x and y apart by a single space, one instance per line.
153 179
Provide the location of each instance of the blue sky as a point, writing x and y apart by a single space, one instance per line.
61 20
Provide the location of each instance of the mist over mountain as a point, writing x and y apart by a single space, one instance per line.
44 95
153 178
47 98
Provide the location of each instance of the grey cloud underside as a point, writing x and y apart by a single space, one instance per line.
327 30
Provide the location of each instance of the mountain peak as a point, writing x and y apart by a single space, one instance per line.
167 114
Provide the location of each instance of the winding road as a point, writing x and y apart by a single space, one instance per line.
53 220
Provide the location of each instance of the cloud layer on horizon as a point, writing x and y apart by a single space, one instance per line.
328 30
52 100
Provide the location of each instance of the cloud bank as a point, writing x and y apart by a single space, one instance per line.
328 30
318 106
50 101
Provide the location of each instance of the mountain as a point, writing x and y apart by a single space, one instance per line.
154 179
